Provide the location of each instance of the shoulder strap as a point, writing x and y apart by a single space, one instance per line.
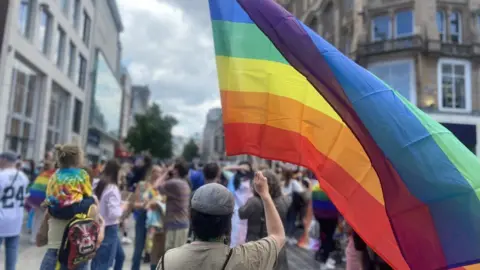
228 259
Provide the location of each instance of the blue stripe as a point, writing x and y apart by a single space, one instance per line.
325 205
422 165
228 10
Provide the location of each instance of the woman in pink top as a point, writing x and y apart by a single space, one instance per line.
111 209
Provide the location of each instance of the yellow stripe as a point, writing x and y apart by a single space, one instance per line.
251 75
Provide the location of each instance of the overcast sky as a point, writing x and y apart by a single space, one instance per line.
168 45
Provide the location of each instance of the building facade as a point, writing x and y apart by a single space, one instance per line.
126 82
44 80
104 105
140 101
427 50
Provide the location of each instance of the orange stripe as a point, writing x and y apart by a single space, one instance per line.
330 137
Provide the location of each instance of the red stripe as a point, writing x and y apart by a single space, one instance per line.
364 213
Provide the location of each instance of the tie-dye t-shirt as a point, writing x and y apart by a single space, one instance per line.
68 186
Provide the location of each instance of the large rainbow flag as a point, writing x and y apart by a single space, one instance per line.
403 181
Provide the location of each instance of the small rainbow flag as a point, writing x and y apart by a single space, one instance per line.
402 181
38 189
321 204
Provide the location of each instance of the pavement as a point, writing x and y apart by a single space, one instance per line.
30 256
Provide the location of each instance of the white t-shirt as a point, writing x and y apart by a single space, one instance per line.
293 186
12 197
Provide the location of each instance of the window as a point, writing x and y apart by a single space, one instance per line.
71 59
441 25
56 116
455 27
86 28
404 23
76 14
399 75
25 89
347 5
45 31
65 6
25 17
381 26
77 116
82 70
454 85
60 53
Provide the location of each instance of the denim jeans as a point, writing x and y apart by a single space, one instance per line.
108 249
11 251
140 237
50 261
119 256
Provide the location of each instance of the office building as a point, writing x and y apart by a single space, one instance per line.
44 79
427 50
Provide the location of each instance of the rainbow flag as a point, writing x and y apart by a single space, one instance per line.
38 189
403 181
321 204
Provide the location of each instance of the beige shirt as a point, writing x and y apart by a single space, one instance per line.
56 227
257 255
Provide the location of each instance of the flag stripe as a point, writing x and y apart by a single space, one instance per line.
328 136
464 161
278 144
249 75
228 11
415 155
300 50
243 40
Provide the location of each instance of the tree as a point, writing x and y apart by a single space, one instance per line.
152 132
190 150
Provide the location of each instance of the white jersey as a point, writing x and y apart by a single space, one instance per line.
13 190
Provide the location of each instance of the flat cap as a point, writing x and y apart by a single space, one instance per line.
213 199
9 156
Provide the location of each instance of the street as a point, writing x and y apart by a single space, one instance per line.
30 257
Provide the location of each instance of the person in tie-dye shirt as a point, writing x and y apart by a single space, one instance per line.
69 190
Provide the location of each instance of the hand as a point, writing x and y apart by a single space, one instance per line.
261 185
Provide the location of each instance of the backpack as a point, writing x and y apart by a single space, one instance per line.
79 241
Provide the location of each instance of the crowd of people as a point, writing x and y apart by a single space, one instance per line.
186 216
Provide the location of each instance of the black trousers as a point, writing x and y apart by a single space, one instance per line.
327 230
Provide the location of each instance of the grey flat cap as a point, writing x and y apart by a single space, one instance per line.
213 199
9 156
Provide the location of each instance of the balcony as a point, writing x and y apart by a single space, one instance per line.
437 47
413 43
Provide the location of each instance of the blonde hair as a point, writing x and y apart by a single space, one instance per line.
68 155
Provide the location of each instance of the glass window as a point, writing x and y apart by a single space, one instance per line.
454 88
399 75
441 24
347 5
45 30
25 17
56 116
22 116
456 27
86 28
82 70
77 116
404 23
60 52
65 5
76 14
381 28
71 60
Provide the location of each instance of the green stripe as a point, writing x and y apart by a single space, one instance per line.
462 158
243 40
319 196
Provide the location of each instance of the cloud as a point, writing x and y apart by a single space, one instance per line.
168 44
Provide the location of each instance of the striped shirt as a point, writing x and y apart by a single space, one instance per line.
178 193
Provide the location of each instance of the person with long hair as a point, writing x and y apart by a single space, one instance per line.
253 212
141 173
243 192
293 188
37 195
